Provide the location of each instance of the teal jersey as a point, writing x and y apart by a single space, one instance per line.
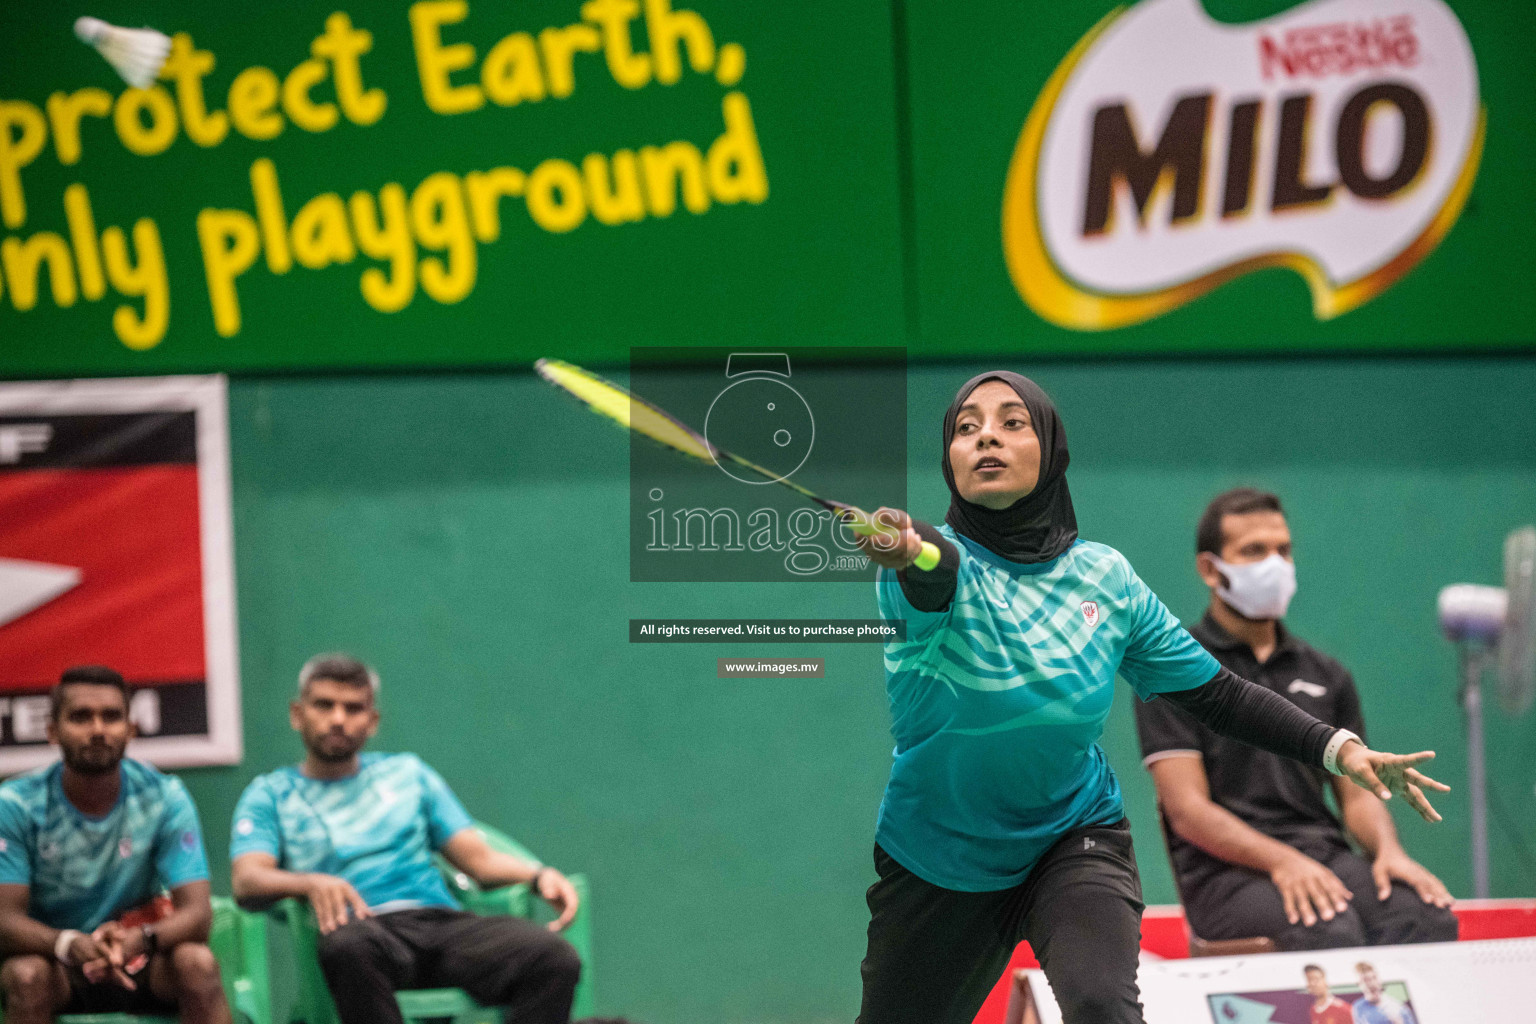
81 871
998 702
377 829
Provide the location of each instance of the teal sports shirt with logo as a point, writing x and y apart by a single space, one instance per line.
377 829
81 871
998 701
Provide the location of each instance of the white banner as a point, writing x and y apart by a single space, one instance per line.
1434 983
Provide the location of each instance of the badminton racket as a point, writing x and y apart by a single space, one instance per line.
608 399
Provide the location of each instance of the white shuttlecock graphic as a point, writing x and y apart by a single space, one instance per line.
136 53
25 585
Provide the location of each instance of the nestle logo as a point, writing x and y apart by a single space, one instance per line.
1317 51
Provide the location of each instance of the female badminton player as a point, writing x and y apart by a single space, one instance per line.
1002 821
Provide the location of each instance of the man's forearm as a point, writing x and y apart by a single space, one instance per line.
1227 837
468 851
1367 819
20 934
498 869
257 887
188 925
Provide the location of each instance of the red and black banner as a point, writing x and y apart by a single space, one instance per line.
104 559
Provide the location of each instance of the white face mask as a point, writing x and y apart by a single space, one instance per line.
1260 590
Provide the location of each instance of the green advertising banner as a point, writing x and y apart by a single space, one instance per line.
455 183
1222 176
444 183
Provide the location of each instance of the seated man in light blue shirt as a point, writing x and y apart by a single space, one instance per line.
87 846
354 835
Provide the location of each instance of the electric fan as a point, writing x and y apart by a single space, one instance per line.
1493 626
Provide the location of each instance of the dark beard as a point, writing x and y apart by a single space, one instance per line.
318 751
82 766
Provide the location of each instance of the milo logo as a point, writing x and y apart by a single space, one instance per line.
1169 153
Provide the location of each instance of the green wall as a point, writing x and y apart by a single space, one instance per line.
465 533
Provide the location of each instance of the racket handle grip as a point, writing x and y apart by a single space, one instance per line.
861 524
928 557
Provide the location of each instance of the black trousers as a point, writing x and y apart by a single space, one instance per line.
500 961
1239 904
934 953
107 997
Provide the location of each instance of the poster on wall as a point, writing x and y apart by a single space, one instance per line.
115 549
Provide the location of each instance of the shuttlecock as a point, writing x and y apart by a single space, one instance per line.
136 53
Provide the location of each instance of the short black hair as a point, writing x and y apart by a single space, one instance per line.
1236 502
339 668
92 675
1313 967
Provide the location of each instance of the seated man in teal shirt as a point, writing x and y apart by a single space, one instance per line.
354 835
83 843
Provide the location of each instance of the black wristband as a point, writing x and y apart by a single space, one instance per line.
931 591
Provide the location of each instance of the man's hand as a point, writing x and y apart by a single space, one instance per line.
892 551
129 944
331 898
1396 864
100 956
1385 774
559 893
1305 883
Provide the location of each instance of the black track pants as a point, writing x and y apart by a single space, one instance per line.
500 961
935 954
1239 903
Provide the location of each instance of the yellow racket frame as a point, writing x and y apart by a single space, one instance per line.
634 413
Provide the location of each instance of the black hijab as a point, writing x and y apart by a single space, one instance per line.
1040 525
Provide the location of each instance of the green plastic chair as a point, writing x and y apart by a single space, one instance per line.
239 941
315 1006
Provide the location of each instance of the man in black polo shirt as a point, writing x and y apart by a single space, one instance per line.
1255 848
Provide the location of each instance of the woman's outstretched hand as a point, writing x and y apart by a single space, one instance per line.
1385 774
895 550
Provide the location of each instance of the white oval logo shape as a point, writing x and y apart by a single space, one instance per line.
1170 153
1091 612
